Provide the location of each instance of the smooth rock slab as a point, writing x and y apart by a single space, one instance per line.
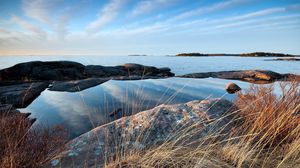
38 70
79 85
104 71
50 71
76 85
145 129
21 95
252 76
72 76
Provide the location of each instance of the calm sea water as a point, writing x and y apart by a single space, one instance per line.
179 65
80 112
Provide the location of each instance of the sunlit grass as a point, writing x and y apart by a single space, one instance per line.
266 133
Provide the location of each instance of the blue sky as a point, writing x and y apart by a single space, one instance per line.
156 27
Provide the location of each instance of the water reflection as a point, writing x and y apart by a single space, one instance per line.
79 112
82 111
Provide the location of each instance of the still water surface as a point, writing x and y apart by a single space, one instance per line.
81 111
179 65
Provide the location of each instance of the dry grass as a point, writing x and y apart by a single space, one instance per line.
272 123
26 147
267 135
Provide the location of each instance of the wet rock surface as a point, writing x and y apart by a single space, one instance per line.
21 95
143 130
252 76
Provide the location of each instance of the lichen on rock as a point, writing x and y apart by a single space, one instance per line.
145 130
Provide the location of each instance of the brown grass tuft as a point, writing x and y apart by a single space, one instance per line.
23 146
268 135
274 119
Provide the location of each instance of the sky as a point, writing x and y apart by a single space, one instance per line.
153 27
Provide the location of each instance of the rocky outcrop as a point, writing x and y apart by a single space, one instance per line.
232 88
73 76
21 95
145 129
265 54
67 70
37 70
22 83
284 59
127 70
77 85
253 76
102 71
254 54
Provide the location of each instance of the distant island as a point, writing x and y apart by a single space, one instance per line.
284 59
138 55
254 54
266 54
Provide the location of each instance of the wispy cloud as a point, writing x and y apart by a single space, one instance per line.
106 14
211 25
231 25
293 7
62 22
3 31
118 26
232 19
208 9
260 13
146 6
184 17
278 19
30 27
40 10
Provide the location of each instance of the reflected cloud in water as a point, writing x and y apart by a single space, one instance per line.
80 112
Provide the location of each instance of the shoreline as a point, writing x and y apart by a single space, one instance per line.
21 84
253 54
24 82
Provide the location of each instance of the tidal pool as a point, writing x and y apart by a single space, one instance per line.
81 111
